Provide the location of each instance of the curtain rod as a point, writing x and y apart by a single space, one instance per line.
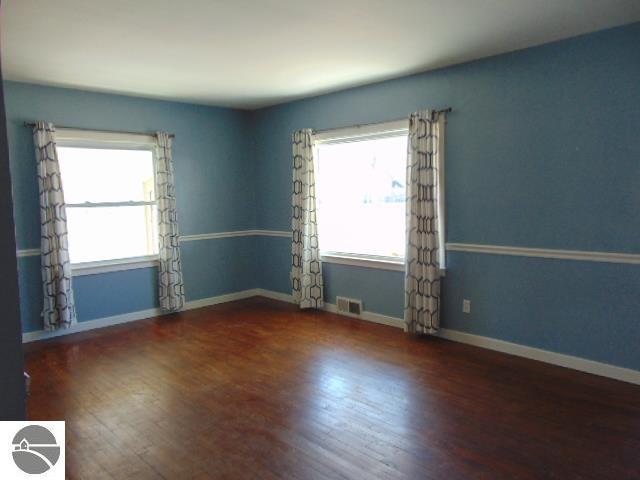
31 125
444 110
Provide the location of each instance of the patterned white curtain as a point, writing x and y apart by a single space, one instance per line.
59 309
425 160
171 285
306 268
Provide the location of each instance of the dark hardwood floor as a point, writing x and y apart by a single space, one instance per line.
259 390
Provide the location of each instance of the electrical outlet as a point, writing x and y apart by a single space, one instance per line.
466 306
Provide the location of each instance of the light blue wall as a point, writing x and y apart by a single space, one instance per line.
585 309
214 192
543 151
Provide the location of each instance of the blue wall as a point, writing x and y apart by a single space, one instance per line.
542 151
213 190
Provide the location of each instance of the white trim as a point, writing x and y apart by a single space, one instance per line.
115 265
129 203
237 233
227 297
91 325
363 132
212 236
190 238
283 297
70 137
32 252
270 233
368 316
629 258
381 263
333 308
133 316
559 359
579 255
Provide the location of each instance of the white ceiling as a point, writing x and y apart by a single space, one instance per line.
248 54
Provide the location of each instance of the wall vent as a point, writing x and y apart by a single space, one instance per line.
349 306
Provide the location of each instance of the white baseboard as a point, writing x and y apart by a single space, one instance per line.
91 325
228 297
559 359
331 307
567 361
368 316
133 316
283 297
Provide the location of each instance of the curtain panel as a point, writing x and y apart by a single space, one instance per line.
425 158
59 309
171 285
306 268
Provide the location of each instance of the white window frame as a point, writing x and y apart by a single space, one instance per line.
356 134
69 137
370 132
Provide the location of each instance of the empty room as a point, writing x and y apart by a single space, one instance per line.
276 239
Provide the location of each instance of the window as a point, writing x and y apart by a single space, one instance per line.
361 193
109 190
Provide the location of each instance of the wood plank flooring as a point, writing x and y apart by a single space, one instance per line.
259 390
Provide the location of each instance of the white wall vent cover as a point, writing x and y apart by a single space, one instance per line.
349 306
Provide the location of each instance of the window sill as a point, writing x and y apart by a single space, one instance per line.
380 263
116 265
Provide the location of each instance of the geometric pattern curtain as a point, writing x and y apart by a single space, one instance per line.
425 158
306 268
59 309
171 285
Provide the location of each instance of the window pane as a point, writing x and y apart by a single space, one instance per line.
106 233
104 175
361 196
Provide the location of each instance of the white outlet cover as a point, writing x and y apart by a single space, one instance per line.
466 306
